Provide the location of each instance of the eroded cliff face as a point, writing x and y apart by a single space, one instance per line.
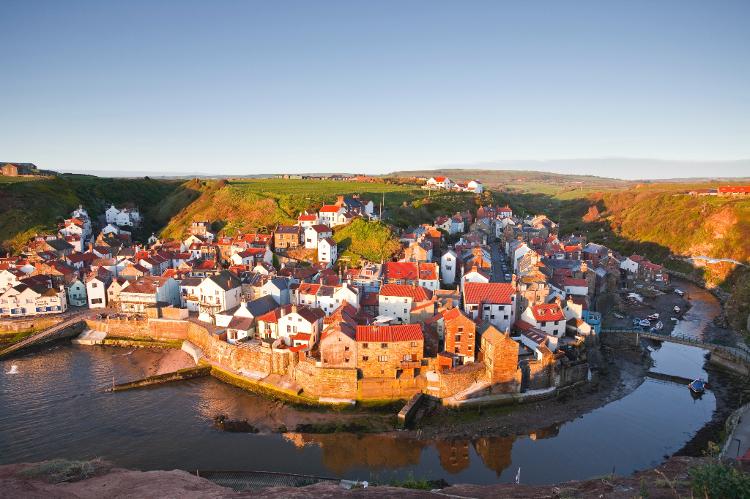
675 222
23 480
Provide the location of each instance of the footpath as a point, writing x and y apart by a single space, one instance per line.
738 441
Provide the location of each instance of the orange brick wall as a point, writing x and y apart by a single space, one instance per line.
370 365
467 344
337 382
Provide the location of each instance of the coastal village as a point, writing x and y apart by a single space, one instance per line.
477 306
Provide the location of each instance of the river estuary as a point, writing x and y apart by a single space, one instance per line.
54 406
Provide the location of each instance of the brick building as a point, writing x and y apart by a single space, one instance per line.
286 237
389 351
500 356
338 346
460 335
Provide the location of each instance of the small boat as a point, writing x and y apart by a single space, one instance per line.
679 292
697 386
676 309
644 323
13 369
653 317
659 326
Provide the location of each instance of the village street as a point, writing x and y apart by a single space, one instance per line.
500 265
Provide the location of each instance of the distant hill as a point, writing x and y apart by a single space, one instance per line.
638 169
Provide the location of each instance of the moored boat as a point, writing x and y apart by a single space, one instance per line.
697 386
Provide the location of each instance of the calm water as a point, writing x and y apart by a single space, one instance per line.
54 407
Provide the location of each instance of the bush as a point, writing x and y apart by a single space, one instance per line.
63 470
717 480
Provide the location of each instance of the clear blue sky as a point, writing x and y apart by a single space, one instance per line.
257 87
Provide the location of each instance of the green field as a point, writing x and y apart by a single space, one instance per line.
15 180
237 205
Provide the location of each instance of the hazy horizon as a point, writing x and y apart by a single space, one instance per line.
669 169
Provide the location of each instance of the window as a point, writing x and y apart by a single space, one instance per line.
407 357
384 345
365 345
413 344
383 358
460 329
365 358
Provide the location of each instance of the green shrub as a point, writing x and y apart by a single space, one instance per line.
720 481
63 470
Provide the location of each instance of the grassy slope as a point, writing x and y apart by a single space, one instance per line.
30 207
373 241
244 204
657 220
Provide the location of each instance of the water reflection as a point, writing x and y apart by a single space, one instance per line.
703 308
342 452
54 407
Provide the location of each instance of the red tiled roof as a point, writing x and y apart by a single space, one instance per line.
547 312
492 292
428 271
401 270
570 281
387 334
651 266
522 325
418 293
734 189
205 265
330 208
307 218
305 288
440 179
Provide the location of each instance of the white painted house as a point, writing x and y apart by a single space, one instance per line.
398 300
448 264
475 186
76 291
24 300
440 183
314 233
217 293
123 217
630 264
327 251
474 275
331 215
96 290
548 317
493 302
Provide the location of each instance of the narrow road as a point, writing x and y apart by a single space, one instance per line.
499 264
